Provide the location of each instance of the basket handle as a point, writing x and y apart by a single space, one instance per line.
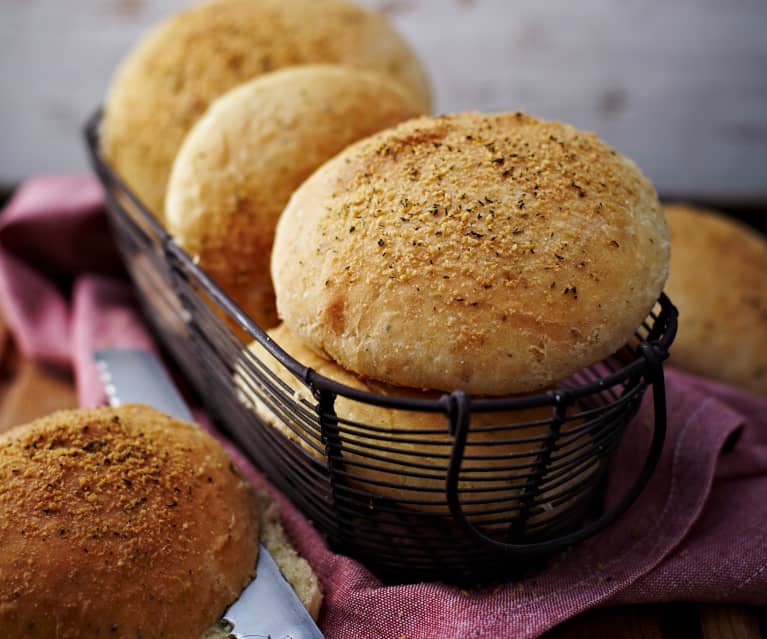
654 355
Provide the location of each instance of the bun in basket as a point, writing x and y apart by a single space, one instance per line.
167 82
417 445
120 522
240 163
718 282
493 253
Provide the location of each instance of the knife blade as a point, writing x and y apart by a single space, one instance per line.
268 608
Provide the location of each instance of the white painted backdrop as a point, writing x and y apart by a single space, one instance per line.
679 85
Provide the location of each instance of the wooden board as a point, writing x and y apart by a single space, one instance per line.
29 390
667 621
679 86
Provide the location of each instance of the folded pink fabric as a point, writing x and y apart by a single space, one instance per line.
697 533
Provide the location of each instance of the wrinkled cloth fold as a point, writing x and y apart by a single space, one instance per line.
697 532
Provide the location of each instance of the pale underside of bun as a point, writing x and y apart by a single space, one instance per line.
240 163
295 568
718 281
120 523
166 83
493 253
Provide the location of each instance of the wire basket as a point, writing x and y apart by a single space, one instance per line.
494 488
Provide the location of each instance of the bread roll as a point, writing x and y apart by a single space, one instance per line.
120 522
412 468
493 253
243 159
718 281
294 568
166 83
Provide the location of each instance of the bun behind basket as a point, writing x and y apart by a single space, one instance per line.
168 80
718 281
240 163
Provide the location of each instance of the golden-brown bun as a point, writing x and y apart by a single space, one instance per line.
120 522
293 566
718 281
170 78
421 454
240 163
494 253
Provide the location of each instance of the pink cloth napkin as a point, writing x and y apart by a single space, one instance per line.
697 533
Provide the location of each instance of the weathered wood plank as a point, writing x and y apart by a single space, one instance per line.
729 622
34 391
664 621
679 86
617 623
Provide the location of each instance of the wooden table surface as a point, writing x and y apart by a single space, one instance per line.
29 390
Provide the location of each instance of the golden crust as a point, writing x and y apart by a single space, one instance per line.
718 281
171 77
120 522
494 253
425 449
240 163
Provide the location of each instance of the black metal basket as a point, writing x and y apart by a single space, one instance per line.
461 502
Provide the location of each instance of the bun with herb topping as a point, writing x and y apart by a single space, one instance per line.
120 522
494 253
718 282
167 82
240 163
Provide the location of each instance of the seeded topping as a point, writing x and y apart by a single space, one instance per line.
475 236
120 518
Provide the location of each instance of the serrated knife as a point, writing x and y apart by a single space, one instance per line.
267 608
